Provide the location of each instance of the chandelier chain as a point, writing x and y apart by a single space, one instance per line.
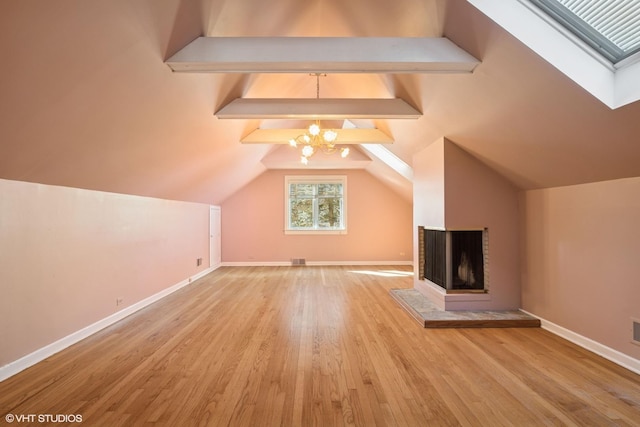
318 75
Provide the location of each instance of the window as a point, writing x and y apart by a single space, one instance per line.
315 204
610 27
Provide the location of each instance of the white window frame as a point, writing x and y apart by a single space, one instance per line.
315 179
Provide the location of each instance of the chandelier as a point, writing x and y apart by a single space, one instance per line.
317 139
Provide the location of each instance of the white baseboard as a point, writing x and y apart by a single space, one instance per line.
608 353
373 263
311 263
57 346
256 264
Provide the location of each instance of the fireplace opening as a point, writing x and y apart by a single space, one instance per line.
467 260
455 260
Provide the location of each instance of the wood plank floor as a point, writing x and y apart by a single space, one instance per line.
303 346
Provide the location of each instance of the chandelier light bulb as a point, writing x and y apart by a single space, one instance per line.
307 151
330 135
293 143
344 152
314 129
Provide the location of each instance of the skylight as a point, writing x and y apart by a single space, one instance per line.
611 27
616 84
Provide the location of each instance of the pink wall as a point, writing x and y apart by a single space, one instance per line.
580 265
454 190
475 197
378 223
66 255
428 187
428 206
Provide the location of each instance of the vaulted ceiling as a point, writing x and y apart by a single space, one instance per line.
87 100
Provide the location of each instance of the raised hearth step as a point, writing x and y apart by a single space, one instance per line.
430 316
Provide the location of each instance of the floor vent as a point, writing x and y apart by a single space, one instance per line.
636 331
298 261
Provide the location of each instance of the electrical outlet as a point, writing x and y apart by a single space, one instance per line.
198 262
119 301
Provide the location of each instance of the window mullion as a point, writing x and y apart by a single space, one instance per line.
316 213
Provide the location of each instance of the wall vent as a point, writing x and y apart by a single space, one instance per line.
635 331
298 261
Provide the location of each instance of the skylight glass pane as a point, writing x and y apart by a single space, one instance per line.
612 27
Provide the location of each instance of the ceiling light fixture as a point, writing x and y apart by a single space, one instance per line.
317 139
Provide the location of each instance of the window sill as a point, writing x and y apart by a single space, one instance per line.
315 232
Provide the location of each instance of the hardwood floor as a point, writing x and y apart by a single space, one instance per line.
302 346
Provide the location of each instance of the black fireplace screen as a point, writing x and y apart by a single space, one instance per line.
435 262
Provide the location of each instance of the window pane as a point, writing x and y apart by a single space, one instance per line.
301 190
329 212
329 190
301 213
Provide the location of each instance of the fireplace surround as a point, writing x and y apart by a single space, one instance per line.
455 260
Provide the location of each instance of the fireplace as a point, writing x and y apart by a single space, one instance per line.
456 260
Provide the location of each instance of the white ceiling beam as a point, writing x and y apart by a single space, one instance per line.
317 109
345 136
322 55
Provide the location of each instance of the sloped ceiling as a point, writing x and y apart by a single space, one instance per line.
87 101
